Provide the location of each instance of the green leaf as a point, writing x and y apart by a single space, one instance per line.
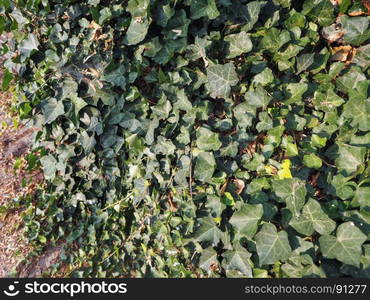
345 246
203 8
362 195
138 7
237 259
208 259
105 14
264 78
205 166
320 11
221 78
327 101
7 78
228 199
291 149
274 39
344 5
258 97
304 62
292 192
244 114
313 219
312 161
208 232
252 12
362 56
295 92
357 109
207 140
198 49
271 245
164 13
28 45
48 163
317 141
52 109
137 31
355 29
350 157
245 220
238 44
265 122
350 80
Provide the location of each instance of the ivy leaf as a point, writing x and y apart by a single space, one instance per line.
244 114
362 195
327 101
208 232
350 80
258 97
344 5
208 259
87 142
357 109
345 246
263 78
271 245
321 11
48 163
202 8
295 92
138 7
265 122
251 14
198 49
312 161
237 259
52 109
28 45
137 31
207 140
221 78
245 219
238 44
350 157
355 29
164 13
7 78
105 14
274 39
304 62
362 56
205 166
291 150
292 192
284 172
313 219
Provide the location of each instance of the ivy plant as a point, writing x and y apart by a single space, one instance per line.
179 138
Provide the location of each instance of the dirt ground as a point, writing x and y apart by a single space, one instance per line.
15 143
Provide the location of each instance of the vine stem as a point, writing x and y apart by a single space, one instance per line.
190 170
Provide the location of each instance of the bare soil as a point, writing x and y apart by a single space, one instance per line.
15 144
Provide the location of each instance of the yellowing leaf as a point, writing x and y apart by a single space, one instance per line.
284 172
228 199
217 220
271 170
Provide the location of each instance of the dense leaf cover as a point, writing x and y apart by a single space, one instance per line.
197 137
